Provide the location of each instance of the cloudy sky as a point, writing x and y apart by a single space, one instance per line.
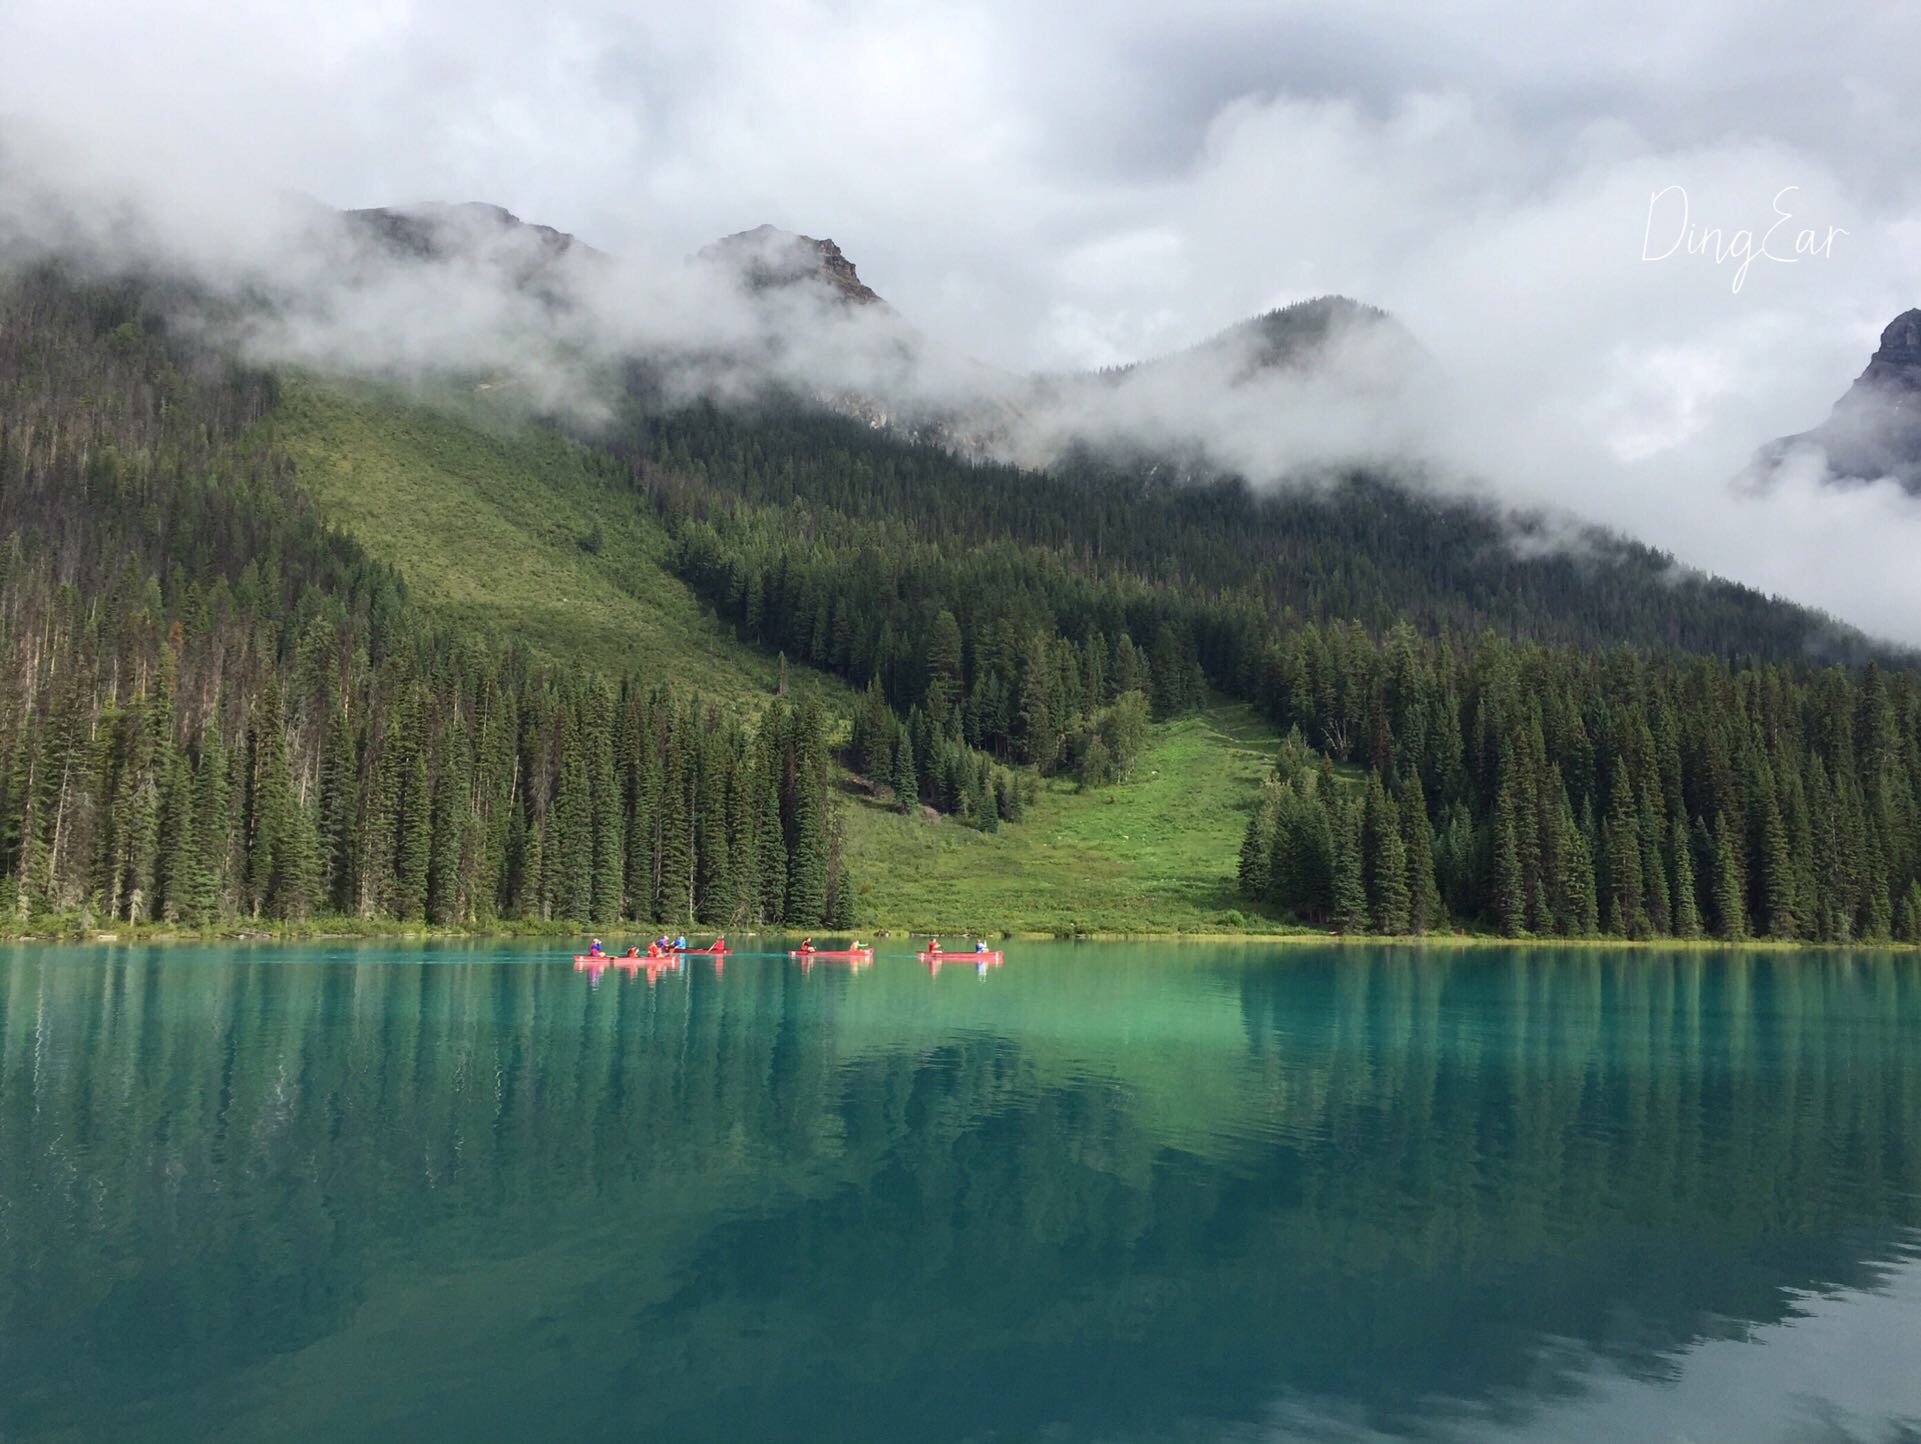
1103 181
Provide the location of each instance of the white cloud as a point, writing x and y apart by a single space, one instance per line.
1090 183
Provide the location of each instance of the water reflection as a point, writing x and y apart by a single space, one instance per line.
1124 1193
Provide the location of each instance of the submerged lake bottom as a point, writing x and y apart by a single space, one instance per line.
1101 1192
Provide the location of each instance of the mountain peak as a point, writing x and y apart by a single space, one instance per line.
1874 430
434 230
1898 357
768 257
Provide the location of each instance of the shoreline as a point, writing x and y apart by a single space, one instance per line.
345 930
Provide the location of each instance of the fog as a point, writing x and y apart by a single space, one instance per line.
1488 179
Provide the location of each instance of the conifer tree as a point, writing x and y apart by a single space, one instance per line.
674 902
446 900
1417 834
1386 861
1350 882
1257 846
206 876
772 833
1687 911
1625 917
1908 918
605 802
906 782
339 809
178 842
568 844
807 847
413 839
713 850
1730 907
1507 882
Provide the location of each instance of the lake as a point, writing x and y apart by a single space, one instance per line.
1114 1192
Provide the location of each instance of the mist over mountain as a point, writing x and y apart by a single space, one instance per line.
472 296
1874 432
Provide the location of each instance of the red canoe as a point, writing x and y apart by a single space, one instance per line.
831 953
703 952
993 957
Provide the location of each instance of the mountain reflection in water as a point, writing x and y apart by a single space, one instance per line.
1115 1192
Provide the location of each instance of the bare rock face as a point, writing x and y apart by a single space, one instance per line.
1874 431
434 231
767 257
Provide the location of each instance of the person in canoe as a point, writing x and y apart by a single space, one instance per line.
680 943
806 945
933 945
980 945
596 949
633 952
720 944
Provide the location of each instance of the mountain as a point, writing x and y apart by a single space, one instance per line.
295 633
1299 337
768 258
1874 431
439 232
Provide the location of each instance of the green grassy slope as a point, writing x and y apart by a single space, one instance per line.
1155 854
487 528
487 525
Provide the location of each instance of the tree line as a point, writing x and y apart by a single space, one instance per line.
1537 790
214 706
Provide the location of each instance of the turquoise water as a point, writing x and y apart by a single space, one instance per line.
1103 1192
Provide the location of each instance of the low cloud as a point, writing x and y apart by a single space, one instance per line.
1503 227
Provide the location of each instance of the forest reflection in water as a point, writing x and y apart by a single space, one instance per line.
1107 1191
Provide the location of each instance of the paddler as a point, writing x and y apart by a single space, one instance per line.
980 945
807 945
596 950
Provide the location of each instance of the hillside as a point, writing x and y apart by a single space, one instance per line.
507 531
288 646
1154 853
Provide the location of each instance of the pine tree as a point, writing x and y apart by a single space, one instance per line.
413 839
1257 844
943 667
1350 881
568 844
906 781
1417 834
840 886
674 901
1908 918
206 877
713 850
1730 908
772 833
1625 916
807 834
446 900
1687 911
1385 856
1777 868
1508 894
339 809
606 809
178 850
